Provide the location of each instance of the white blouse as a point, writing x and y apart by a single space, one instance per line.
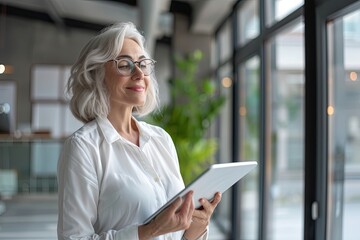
108 186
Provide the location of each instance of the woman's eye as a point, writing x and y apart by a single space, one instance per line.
124 67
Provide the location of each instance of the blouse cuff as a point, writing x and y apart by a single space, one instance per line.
204 235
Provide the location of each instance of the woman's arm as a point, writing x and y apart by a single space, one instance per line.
79 195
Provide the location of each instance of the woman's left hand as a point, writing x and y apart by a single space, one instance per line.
201 217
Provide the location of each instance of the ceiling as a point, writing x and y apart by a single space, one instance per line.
154 17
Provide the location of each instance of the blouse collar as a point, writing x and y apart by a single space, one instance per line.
111 135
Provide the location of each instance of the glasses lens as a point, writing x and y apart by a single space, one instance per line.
125 66
146 66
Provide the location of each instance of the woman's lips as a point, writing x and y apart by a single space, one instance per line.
137 88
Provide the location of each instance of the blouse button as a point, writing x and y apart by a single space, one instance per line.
157 179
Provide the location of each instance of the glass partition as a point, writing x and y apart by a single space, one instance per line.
33 160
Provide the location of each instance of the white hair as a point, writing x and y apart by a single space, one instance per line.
89 96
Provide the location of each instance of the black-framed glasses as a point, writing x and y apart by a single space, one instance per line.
126 66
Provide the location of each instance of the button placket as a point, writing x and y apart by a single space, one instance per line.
158 186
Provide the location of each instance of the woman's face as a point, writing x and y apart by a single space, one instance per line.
126 91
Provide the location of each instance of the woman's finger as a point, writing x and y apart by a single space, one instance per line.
216 199
210 206
187 206
175 205
207 207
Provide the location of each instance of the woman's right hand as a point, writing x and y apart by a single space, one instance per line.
174 218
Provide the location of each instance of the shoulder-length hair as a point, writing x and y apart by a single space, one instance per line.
89 97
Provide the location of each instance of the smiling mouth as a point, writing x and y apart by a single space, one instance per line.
136 88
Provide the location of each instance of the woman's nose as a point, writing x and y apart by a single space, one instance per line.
137 72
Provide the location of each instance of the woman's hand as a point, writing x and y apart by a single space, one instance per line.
178 216
201 217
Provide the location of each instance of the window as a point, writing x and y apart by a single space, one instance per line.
276 10
225 141
224 42
344 126
248 21
286 134
249 92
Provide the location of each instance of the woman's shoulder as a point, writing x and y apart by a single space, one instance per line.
86 132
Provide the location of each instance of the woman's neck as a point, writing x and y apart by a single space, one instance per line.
126 126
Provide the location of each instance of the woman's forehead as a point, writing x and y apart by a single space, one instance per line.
131 49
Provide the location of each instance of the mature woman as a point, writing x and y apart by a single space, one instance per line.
116 171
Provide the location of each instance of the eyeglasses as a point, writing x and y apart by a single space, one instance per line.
126 67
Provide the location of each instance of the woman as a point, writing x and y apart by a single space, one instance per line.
116 171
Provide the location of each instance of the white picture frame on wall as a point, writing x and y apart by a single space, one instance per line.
46 82
50 104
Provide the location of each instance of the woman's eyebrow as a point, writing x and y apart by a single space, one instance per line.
127 56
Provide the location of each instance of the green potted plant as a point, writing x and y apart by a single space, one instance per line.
187 118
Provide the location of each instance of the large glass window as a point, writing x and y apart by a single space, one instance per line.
249 88
344 127
285 134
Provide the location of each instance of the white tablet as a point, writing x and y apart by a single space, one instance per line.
217 178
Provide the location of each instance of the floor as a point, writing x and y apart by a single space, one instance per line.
28 218
33 217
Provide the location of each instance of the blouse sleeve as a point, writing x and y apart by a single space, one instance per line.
79 194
